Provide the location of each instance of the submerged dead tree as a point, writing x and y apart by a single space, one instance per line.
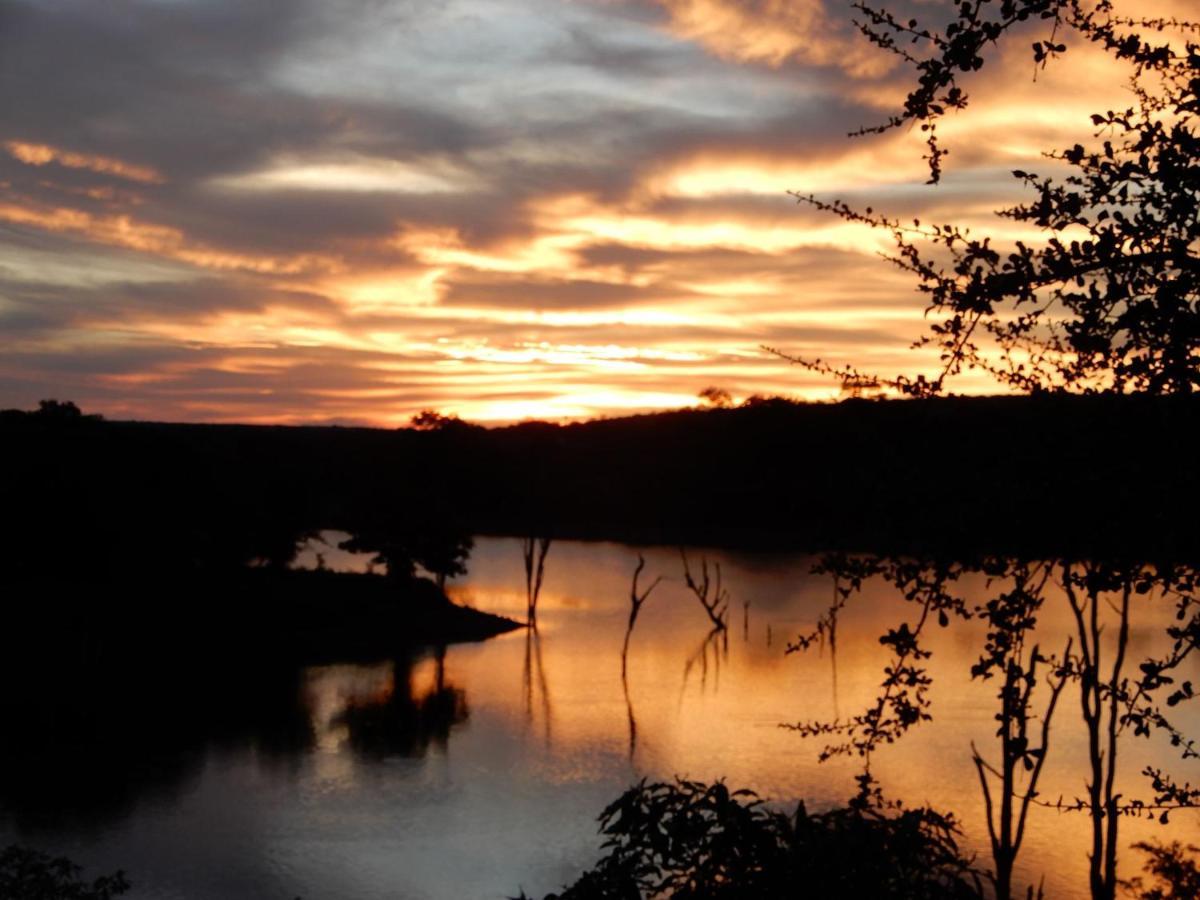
1114 696
1024 744
534 551
1112 699
708 590
636 600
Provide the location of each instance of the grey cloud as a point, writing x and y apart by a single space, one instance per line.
524 292
41 308
185 88
721 262
203 89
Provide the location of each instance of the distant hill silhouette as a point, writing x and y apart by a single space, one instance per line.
1053 473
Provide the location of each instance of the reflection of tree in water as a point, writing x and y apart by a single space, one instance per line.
1119 696
406 719
88 736
714 598
715 646
534 683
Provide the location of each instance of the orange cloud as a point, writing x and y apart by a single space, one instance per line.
775 32
538 271
43 154
160 240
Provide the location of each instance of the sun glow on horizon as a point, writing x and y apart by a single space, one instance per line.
614 237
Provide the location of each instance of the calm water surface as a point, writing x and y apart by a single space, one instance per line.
479 770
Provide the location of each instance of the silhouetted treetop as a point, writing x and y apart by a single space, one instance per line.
432 420
1108 299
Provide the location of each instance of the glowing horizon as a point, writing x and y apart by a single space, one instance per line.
352 212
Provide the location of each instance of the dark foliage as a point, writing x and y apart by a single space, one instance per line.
1119 698
693 841
1172 873
1109 300
400 545
29 875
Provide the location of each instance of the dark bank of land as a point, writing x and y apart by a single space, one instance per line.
1043 474
117 697
254 613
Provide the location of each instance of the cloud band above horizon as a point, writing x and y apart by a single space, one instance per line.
350 210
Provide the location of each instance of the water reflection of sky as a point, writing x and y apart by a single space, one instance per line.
481 771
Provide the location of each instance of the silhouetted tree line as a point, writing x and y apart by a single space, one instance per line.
116 499
125 501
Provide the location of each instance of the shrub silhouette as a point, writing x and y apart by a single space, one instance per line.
1173 871
695 841
26 874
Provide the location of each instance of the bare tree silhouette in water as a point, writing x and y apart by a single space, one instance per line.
708 590
1111 701
533 552
534 682
713 597
715 645
636 600
1011 618
1108 301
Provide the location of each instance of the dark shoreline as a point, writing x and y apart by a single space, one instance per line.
300 617
1041 475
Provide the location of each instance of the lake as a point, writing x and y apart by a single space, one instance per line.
479 769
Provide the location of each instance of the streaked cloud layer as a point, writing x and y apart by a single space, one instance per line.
350 210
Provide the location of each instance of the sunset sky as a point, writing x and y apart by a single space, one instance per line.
352 210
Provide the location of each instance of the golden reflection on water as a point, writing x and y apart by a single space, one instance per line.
330 690
710 704
476 770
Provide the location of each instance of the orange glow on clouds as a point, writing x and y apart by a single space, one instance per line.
774 32
156 240
499 247
41 154
362 175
